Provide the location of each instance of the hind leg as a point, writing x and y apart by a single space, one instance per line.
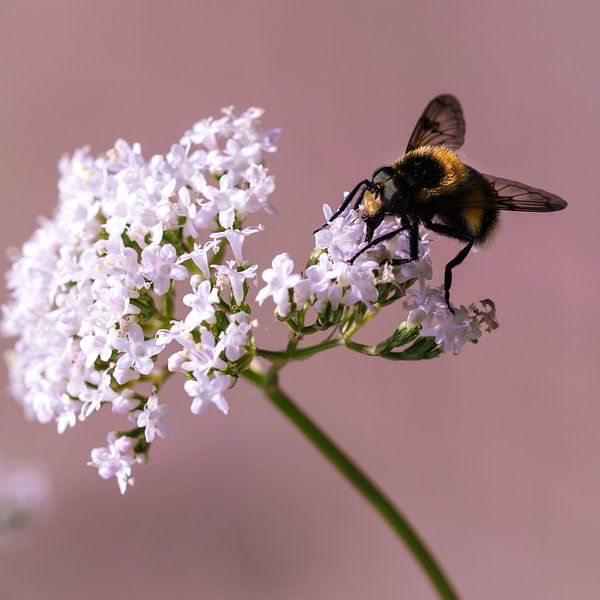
457 260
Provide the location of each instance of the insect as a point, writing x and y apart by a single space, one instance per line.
430 186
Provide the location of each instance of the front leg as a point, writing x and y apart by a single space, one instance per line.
347 200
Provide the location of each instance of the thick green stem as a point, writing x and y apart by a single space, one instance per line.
268 383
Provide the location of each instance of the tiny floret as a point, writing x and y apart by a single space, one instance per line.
280 280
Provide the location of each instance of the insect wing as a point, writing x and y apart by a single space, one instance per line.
442 122
512 195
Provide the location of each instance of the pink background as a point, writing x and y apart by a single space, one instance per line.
495 454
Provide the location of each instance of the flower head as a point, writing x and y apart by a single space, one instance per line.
92 292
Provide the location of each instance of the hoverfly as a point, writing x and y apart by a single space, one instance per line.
430 186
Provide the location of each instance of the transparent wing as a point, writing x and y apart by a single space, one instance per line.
442 122
512 195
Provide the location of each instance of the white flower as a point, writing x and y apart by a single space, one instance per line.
279 280
415 269
187 169
452 331
238 157
152 418
99 344
201 302
93 396
137 354
236 278
124 402
204 356
261 187
426 302
67 416
207 133
237 336
318 281
115 461
343 236
176 360
112 301
236 238
114 259
226 198
200 256
208 390
159 266
360 278
187 207
178 332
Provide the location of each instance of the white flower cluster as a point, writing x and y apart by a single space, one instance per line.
330 282
92 303
25 491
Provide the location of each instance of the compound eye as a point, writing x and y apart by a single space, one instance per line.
382 175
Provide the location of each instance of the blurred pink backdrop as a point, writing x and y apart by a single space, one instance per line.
494 455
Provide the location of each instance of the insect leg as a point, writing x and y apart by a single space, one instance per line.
345 203
459 235
377 240
413 241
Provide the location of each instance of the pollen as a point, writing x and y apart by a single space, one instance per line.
372 203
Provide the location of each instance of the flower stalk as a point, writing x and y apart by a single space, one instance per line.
294 353
268 383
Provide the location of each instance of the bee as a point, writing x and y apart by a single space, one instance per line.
431 186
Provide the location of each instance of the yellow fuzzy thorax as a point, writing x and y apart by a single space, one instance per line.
455 171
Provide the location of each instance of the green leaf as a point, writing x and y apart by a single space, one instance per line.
423 349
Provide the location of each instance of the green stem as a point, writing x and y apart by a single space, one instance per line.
268 383
298 353
362 348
